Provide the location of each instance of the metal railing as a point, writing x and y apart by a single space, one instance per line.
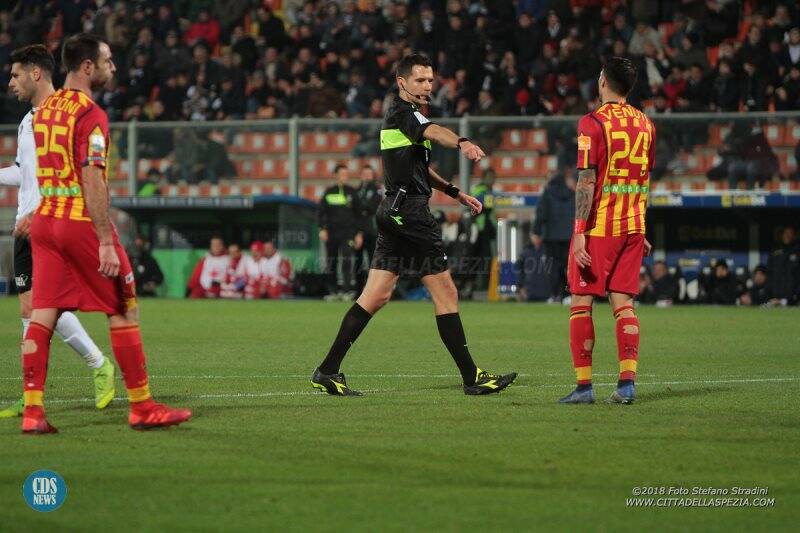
687 145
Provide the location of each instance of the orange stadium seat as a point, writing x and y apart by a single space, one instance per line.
775 134
787 162
323 143
538 140
717 134
8 146
791 134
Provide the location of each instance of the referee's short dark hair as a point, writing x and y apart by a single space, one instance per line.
78 49
620 73
35 55
410 61
339 167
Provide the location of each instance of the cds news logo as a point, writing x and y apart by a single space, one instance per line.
44 491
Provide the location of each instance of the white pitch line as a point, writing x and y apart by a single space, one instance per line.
395 391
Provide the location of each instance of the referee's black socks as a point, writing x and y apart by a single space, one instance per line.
452 333
353 324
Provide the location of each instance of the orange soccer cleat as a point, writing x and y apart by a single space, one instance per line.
157 416
35 423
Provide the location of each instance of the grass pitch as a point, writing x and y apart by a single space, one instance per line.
717 407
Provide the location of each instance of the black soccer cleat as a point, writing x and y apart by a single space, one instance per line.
333 384
486 383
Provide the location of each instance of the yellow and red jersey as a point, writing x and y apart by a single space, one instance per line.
618 141
71 132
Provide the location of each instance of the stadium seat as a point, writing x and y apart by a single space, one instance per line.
717 133
775 134
791 134
8 146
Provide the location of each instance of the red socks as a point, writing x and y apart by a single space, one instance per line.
581 342
627 343
126 343
35 355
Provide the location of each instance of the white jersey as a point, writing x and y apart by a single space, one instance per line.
23 174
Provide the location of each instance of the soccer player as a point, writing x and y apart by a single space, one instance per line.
31 81
78 262
408 235
616 144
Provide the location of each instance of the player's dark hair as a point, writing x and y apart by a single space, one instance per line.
408 62
620 73
78 49
339 167
35 55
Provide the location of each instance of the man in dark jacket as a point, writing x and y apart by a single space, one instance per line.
723 289
370 194
339 220
146 271
533 272
553 225
783 269
662 287
760 292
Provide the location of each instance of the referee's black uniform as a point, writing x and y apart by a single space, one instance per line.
409 239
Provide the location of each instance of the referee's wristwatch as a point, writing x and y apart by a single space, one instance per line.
461 140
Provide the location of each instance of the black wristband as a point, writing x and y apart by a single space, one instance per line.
461 140
451 190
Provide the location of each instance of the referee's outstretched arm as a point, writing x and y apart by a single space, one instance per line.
448 138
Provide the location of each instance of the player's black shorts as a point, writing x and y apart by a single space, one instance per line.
23 264
409 240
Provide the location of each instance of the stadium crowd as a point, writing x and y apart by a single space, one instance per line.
217 59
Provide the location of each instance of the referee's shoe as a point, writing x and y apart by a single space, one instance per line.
333 384
487 383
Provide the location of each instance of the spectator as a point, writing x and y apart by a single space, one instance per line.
759 292
553 226
210 272
147 185
723 289
644 34
750 157
661 287
146 271
173 57
340 232
783 269
205 29
533 272
725 91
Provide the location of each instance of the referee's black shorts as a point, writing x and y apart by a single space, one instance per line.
409 240
23 264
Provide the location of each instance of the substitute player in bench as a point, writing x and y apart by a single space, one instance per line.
616 143
408 235
78 262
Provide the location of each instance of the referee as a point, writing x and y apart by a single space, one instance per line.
408 237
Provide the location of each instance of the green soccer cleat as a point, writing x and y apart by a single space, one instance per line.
333 384
14 410
104 387
487 383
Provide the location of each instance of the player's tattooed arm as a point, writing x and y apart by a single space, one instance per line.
584 192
